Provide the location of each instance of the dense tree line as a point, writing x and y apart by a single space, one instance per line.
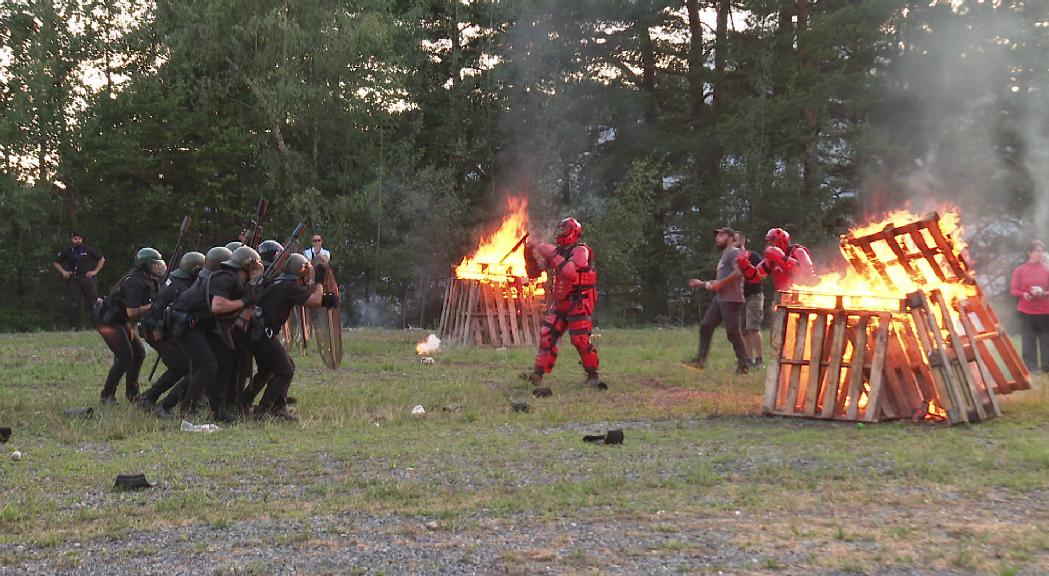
397 127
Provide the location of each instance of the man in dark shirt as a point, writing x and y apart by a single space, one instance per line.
78 265
210 308
295 286
753 307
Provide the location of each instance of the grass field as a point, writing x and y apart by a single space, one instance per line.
703 484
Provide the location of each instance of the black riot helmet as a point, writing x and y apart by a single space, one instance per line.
268 250
189 265
247 259
295 267
214 259
151 262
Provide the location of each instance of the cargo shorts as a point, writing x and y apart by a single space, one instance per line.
753 312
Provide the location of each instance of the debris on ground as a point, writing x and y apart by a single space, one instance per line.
132 482
191 427
610 437
79 412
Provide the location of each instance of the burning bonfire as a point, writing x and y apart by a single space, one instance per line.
490 300
904 333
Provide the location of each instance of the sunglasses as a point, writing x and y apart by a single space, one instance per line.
316 239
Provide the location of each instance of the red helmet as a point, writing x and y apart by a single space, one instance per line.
779 238
569 231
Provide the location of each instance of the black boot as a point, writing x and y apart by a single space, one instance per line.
593 381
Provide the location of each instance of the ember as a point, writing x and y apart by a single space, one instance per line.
904 333
490 300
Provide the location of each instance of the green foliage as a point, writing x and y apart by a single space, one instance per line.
396 128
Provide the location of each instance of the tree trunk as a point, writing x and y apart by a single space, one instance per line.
810 114
695 65
712 162
721 54
648 73
653 270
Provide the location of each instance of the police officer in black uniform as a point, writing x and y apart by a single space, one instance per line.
79 264
128 301
295 286
174 358
268 251
209 310
212 261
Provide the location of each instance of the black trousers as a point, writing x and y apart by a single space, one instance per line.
80 290
718 313
276 369
128 355
242 368
177 365
212 364
1034 336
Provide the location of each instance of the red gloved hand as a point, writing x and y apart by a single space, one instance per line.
743 260
789 264
774 256
547 251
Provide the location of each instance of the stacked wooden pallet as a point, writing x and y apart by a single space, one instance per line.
495 313
922 356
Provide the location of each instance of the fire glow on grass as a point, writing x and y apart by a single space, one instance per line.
491 264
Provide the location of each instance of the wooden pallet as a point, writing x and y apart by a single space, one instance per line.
829 364
963 381
918 251
871 366
477 313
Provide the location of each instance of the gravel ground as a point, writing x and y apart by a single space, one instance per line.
357 543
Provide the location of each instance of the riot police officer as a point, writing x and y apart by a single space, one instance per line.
206 315
294 286
212 261
127 302
174 359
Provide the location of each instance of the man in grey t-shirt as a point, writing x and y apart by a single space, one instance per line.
728 300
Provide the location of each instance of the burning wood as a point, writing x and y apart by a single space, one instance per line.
905 333
490 300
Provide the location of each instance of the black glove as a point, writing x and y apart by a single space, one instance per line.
330 301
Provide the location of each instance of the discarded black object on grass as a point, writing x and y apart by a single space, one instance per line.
81 412
132 482
453 408
5 434
542 392
611 437
519 405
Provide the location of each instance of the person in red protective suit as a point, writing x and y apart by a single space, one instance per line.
571 264
785 263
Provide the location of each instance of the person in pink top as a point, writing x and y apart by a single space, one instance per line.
1031 285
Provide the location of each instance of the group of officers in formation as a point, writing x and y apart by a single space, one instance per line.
216 313
209 318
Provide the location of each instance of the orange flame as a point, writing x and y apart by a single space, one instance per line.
862 291
493 263
935 412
